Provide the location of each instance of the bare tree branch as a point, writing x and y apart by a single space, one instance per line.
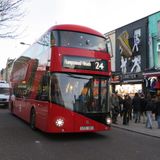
11 12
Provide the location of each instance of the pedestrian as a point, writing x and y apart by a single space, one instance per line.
127 104
154 100
130 108
136 103
120 104
143 104
157 111
149 108
114 103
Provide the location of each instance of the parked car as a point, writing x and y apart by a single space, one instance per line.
4 93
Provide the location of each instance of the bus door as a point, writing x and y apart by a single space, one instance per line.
43 102
42 109
19 99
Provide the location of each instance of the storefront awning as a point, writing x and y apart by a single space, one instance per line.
133 81
151 74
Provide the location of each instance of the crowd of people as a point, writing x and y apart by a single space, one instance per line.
140 108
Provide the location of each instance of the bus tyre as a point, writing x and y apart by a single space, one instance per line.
33 119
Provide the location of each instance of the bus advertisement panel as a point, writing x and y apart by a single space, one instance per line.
61 82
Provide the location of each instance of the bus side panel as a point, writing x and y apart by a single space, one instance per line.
56 113
18 108
22 109
41 109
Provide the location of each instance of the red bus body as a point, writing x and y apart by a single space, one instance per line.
58 88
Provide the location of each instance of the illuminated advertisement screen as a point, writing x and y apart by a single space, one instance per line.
85 63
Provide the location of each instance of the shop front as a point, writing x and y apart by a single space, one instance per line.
128 84
130 60
152 82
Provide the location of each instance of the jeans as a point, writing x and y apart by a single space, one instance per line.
158 121
125 117
137 116
149 119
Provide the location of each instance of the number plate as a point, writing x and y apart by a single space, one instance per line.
86 128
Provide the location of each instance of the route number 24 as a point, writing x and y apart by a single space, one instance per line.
99 66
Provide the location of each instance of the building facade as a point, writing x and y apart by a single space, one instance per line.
152 73
137 54
5 72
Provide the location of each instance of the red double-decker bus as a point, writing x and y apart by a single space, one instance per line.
61 82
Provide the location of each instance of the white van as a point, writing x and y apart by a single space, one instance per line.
4 93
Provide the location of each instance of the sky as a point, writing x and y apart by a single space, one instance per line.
101 15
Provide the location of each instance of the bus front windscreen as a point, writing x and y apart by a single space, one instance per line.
80 93
82 40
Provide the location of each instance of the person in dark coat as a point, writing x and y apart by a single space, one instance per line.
114 103
149 109
143 105
127 105
157 111
136 103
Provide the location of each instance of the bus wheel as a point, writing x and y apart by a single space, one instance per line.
33 119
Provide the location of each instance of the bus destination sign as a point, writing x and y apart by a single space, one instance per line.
85 63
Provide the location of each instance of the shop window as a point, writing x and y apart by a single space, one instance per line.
158 27
158 53
158 47
130 89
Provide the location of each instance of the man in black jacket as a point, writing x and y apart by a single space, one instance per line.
157 111
136 103
149 109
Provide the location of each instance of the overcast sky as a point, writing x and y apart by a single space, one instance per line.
101 15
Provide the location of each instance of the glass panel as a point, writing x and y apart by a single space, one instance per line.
54 38
4 91
80 93
82 40
158 26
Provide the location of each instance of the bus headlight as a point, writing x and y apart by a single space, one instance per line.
59 122
108 120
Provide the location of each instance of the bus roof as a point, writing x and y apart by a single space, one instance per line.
73 27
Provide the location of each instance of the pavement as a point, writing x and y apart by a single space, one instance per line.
138 127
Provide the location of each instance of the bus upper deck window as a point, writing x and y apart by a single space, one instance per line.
53 38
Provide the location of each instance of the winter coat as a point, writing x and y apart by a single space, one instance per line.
157 109
149 105
136 103
143 105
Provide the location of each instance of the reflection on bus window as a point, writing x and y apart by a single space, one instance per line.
43 88
79 93
82 40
